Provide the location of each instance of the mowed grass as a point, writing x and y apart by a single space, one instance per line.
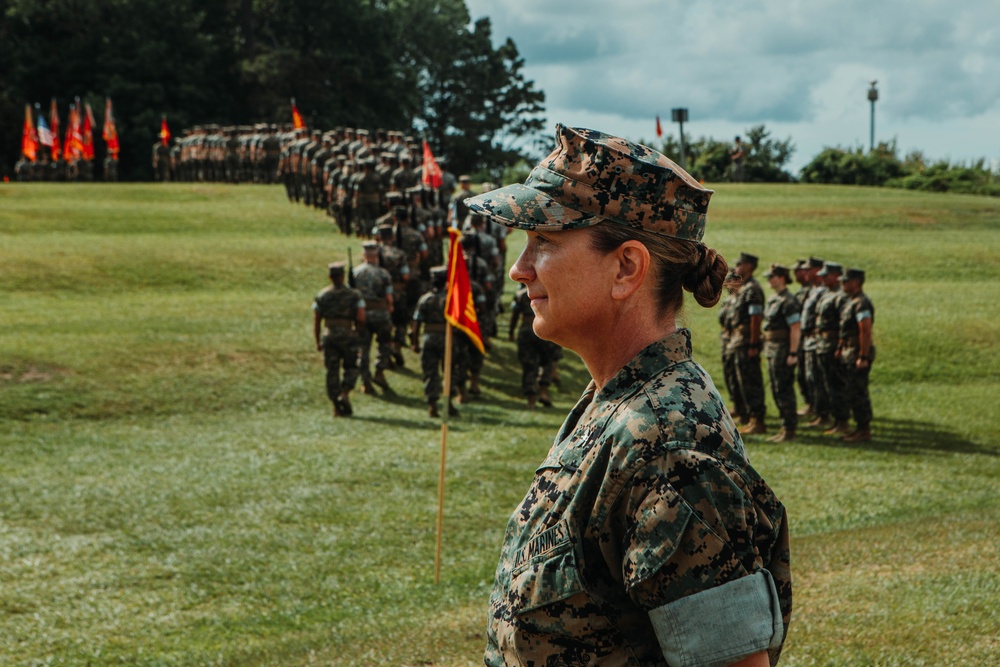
174 491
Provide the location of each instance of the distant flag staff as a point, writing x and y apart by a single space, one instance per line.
297 121
110 132
29 138
432 172
459 312
54 125
164 131
87 143
659 128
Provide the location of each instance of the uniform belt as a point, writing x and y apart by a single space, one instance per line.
437 327
377 304
775 335
338 322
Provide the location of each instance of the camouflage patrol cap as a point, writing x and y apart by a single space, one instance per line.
392 198
853 274
801 265
593 177
439 272
369 245
405 157
831 267
336 269
815 263
415 190
777 270
401 213
464 178
385 231
747 258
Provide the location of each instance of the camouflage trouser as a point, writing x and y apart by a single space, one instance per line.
432 361
401 318
856 397
800 375
290 188
536 360
751 383
365 215
782 377
729 374
831 386
381 330
340 350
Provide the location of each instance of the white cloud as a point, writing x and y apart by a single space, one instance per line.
801 68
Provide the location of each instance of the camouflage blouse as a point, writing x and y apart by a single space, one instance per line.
646 537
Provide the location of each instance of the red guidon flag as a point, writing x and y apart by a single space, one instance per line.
460 308
29 139
87 146
110 131
297 121
432 172
164 132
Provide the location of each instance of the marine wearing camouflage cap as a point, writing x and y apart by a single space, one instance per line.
592 177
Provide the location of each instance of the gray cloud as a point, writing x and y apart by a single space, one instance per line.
775 61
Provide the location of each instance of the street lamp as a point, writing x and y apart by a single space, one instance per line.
872 97
679 116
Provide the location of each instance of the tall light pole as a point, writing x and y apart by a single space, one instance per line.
872 97
679 116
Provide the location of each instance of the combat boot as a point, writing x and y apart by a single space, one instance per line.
397 357
785 434
544 398
452 412
345 405
474 389
337 412
367 389
380 380
532 400
755 426
862 434
432 411
840 427
463 395
820 422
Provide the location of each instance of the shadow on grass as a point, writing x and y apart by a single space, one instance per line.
896 436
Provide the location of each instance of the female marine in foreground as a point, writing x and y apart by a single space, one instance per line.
646 537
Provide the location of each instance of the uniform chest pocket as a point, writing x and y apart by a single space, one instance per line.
546 572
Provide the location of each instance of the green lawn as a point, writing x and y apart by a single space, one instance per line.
174 491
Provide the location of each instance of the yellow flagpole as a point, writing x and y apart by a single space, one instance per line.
444 449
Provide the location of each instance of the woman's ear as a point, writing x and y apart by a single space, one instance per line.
633 264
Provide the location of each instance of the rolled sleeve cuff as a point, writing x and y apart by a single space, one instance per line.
721 625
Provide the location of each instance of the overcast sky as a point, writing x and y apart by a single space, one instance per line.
801 68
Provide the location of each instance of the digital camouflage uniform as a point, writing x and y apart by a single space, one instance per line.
375 284
338 306
809 343
780 313
749 302
856 397
738 406
430 313
800 371
829 390
533 353
644 519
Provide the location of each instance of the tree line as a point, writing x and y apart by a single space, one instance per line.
416 64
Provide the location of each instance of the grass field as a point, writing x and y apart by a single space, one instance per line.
174 491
